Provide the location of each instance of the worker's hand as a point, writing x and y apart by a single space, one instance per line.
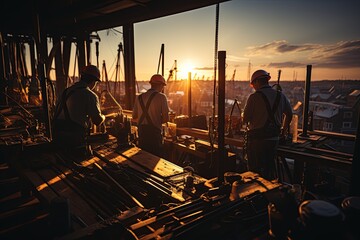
283 134
111 115
102 127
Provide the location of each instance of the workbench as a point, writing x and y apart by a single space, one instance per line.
306 151
112 184
199 155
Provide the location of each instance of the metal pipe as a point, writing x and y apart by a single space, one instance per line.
221 116
306 101
129 65
189 95
161 60
34 84
355 167
81 46
41 56
118 185
3 99
97 53
61 80
66 57
69 178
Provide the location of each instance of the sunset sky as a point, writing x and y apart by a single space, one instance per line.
270 34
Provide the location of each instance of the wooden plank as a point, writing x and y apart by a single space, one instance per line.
151 162
42 190
78 206
112 156
204 134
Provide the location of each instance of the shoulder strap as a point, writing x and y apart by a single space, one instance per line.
271 111
276 103
63 105
66 111
145 109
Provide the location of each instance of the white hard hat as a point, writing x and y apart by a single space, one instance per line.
157 79
259 74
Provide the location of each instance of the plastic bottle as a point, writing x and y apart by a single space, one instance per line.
294 128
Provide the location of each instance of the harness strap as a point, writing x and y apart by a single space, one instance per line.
271 111
145 109
63 105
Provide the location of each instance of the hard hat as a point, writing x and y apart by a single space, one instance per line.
259 74
157 79
91 71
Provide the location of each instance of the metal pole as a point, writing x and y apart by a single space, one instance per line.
66 58
355 168
117 68
34 84
41 53
129 65
221 116
61 80
306 104
163 59
97 53
81 45
3 99
189 95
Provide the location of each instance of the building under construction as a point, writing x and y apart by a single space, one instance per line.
200 188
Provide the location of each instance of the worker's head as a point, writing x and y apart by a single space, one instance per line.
90 74
157 80
260 77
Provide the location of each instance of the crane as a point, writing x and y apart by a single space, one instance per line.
171 72
233 82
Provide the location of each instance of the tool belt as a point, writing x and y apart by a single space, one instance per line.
69 133
149 132
270 129
263 133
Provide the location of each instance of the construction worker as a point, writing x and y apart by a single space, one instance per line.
267 115
150 111
77 108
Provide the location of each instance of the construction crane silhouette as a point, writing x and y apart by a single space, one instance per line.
173 72
233 82
249 70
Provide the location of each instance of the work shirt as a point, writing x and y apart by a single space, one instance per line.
82 104
158 109
255 112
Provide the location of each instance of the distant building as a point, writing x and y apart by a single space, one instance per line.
332 117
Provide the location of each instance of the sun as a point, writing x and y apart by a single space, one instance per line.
184 69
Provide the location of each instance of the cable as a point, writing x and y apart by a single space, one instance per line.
212 124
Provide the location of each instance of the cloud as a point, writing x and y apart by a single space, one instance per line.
279 47
204 68
286 65
344 54
233 58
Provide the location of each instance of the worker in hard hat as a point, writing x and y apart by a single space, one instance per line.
77 108
150 111
267 115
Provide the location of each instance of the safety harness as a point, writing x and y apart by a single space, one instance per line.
271 128
66 130
145 109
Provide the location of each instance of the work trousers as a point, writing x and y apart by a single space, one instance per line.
71 138
150 139
261 157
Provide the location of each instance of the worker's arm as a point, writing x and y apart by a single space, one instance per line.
165 110
94 110
287 118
